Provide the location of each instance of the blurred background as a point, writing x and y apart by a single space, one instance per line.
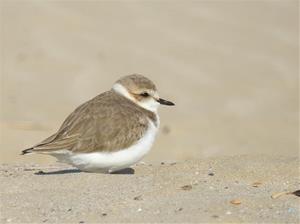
231 67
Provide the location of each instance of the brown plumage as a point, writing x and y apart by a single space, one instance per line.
110 132
108 122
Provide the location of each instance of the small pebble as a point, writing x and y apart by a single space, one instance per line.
187 187
211 174
138 198
256 184
179 209
215 216
104 214
228 213
235 202
139 209
81 222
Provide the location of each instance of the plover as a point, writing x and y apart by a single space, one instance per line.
110 132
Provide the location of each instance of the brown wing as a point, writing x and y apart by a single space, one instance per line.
114 125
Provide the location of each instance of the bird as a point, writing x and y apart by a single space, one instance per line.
110 132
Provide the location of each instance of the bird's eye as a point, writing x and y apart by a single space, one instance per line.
144 94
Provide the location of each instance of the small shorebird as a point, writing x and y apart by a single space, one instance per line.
110 132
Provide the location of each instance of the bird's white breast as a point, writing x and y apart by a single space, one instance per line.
113 161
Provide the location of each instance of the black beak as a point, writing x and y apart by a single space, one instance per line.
165 102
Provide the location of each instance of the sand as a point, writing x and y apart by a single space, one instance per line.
231 67
187 191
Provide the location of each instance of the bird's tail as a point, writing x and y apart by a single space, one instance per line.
26 151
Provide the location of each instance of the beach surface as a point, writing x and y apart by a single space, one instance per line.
221 189
231 68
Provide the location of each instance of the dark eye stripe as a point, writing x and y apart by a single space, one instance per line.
144 94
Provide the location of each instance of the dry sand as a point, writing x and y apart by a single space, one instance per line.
189 191
231 67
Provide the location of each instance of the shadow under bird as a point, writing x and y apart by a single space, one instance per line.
110 132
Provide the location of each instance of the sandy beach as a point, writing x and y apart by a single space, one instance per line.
224 189
229 144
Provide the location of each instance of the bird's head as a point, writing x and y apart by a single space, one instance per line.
141 91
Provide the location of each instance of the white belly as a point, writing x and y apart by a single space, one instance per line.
113 161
